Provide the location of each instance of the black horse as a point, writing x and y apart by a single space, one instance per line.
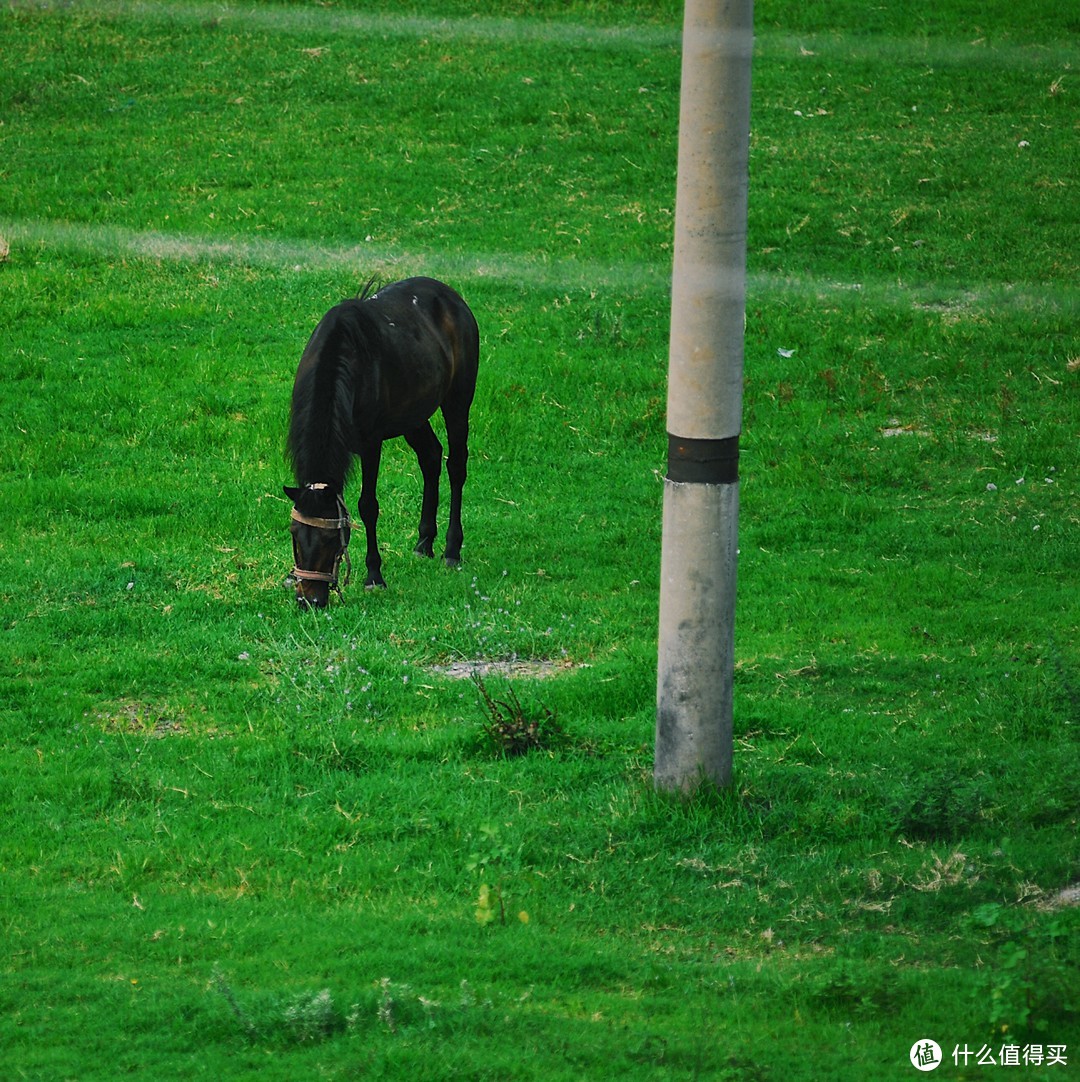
377 367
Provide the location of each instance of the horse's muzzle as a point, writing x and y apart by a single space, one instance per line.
312 595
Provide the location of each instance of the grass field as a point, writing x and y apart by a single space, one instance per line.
241 841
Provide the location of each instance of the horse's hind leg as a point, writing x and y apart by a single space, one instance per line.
368 508
457 437
429 455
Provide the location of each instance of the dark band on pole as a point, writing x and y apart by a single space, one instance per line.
703 462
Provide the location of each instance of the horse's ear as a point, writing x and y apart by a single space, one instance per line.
292 493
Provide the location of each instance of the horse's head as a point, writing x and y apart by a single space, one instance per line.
320 529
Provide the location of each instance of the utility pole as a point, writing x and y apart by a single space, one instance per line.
704 408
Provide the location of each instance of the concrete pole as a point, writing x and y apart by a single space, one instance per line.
704 409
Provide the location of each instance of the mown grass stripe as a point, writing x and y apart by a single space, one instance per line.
370 257
294 20
301 257
895 49
908 51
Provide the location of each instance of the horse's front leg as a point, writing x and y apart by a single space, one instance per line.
368 507
429 456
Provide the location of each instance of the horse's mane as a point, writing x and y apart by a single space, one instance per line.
369 288
320 436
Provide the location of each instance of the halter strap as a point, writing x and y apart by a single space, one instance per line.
343 524
323 523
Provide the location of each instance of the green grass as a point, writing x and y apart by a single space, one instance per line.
242 841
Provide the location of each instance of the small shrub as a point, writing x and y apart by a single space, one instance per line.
940 806
1029 983
846 986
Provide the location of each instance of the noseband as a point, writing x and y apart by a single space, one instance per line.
343 525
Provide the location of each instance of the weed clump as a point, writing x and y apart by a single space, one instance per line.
940 807
303 1018
511 731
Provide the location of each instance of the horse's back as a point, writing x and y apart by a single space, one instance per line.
445 311
442 304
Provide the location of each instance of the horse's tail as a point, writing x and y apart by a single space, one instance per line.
321 423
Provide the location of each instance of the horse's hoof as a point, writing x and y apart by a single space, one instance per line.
424 549
452 561
372 584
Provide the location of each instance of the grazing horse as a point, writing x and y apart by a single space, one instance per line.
376 367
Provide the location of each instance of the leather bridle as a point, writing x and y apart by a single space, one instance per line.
343 526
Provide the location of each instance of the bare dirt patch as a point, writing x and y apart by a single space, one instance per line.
144 719
526 668
1068 898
